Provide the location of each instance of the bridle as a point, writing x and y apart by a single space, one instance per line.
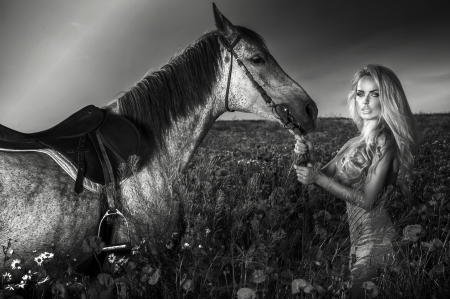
279 111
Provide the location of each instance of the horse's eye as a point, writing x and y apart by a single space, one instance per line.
257 60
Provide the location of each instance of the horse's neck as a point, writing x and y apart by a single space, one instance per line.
181 141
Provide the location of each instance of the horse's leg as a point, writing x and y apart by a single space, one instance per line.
39 209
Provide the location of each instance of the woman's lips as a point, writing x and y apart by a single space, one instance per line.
365 110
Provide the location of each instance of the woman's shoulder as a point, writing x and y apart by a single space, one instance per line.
384 138
385 142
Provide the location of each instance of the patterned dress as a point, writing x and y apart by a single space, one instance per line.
371 232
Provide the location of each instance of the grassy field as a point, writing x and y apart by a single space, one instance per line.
250 229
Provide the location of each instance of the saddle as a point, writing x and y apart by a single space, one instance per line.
95 142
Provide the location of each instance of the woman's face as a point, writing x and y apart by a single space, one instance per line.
368 99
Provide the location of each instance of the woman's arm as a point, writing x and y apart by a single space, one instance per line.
361 198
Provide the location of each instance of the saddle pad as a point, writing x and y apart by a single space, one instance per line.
65 164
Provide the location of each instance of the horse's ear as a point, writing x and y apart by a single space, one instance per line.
223 24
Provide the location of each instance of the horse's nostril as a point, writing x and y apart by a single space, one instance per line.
311 112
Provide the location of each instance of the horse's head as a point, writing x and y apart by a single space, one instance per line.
258 84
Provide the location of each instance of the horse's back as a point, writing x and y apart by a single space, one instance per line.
39 209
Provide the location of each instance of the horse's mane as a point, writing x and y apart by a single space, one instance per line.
177 88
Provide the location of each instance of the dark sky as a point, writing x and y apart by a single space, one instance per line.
57 56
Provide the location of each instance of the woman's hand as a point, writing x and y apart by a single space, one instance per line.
304 147
305 174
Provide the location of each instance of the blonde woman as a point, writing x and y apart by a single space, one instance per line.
367 164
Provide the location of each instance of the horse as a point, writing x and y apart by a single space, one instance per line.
228 68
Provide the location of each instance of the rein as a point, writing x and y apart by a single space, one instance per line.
278 110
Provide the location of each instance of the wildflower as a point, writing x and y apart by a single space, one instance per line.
47 255
9 287
436 243
39 260
26 277
122 261
308 289
11 251
15 264
111 258
432 202
135 250
259 276
187 285
21 284
155 277
297 285
413 232
246 293
186 245
7 276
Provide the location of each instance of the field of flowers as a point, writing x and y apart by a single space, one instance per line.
250 230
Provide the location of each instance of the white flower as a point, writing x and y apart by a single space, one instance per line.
9 287
122 261
11 251
26 277
21 284
47 255
15 264
39 260
135 250
111 258
7 276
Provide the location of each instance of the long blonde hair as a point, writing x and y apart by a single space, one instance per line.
396 128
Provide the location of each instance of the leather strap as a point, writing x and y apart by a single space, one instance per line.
228 85
229 48
288 121
101 157
81 164
110 172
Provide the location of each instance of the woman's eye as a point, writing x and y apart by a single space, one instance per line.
257 60
360 94
375 95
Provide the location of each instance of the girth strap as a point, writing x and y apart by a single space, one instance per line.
81 164
106 165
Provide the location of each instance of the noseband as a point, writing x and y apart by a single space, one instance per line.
278 110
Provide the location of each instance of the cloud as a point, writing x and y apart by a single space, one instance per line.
76 25
434 78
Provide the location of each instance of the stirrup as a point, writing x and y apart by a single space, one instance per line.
119 247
